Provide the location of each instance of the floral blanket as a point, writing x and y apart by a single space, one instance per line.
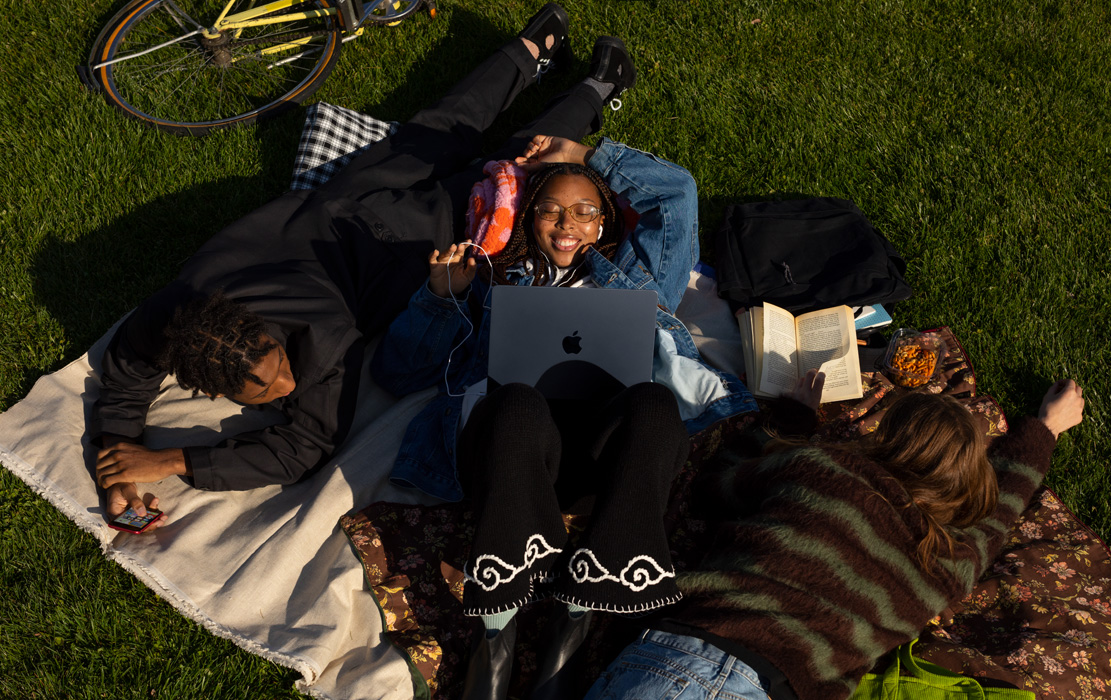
1039 620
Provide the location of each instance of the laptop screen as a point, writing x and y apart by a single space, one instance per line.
571 342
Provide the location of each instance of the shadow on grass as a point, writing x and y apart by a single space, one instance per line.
87 284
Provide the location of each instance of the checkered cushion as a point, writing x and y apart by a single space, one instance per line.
332 137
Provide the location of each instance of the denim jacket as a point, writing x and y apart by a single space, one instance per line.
417 352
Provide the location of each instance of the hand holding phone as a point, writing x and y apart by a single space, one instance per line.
130 521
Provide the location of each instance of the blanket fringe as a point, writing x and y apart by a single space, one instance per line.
80 517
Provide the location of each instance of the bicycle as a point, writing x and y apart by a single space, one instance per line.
191 66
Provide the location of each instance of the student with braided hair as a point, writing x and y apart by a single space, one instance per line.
214 345
522 459
274 309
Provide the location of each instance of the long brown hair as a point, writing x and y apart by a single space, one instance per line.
932 445
522 243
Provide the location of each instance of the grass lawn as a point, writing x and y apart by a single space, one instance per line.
974 136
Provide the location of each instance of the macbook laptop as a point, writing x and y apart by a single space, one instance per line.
571 343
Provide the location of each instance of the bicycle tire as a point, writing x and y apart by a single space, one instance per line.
190 84
389 11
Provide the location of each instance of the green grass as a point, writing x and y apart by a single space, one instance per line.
975 137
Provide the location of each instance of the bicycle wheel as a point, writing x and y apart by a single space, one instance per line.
389 11
157 62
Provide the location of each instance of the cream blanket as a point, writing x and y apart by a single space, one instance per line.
268 569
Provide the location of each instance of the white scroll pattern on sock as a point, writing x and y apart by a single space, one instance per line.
490 571
641 572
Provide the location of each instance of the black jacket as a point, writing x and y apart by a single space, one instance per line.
316 271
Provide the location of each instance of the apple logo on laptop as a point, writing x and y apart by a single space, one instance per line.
572 344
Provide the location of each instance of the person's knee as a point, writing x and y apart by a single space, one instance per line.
516 405
654 405
511 435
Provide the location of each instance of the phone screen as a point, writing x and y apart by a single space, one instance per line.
130 521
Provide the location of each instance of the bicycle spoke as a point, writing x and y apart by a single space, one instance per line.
205 78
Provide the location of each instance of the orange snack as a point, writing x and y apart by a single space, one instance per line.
913 357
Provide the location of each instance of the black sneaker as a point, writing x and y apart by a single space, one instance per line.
610 63
551 20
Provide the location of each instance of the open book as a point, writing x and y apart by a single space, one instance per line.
780 348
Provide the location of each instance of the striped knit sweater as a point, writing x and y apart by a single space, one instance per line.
814 566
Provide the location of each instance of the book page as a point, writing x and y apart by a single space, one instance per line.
744 321
827 342
779 366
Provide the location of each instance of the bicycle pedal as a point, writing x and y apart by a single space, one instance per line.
396 6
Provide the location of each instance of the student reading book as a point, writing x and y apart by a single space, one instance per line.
780 348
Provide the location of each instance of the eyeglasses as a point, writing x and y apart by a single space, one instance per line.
583 213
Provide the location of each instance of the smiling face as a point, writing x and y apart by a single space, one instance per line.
274 371
565 240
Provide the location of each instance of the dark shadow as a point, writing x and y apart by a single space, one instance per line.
470 42
89 283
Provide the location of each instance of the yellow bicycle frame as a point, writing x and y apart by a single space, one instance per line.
257 17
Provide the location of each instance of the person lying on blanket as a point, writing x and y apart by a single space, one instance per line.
523 459
826 558
275 307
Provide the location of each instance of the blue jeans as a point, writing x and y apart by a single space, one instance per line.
665 666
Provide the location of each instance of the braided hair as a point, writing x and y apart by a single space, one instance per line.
522 243
212 346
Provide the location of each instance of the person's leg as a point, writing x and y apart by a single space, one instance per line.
663 665
578 112
442 138
573 115
509 454
623 562
625 453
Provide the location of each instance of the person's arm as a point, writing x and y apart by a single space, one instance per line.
280 454
129 381
1021 460
316 418
795 413
665 197
727 484
415 350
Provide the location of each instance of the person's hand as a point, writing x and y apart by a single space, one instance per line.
808 389
128 462
125 495
462 271
1062 407
552 149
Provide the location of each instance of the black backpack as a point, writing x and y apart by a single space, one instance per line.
806 254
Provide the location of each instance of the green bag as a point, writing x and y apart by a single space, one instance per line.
927 682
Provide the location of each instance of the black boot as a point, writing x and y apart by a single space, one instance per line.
610 63
490 665
561 662
551 20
